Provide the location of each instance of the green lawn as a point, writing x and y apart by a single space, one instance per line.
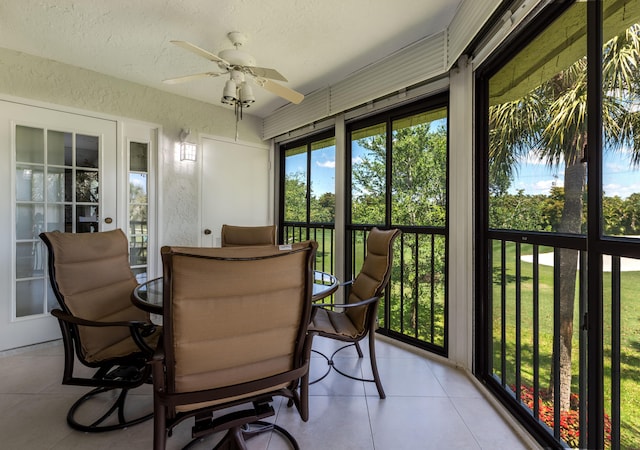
629 339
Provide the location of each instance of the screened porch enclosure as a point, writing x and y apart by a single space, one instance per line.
396 178
559 260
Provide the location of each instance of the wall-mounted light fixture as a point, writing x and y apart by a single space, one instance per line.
188 150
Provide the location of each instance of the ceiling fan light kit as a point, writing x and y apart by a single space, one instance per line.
246 95
229 92
238 64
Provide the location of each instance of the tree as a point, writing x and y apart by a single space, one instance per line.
418 198
295 204
323 208
550 121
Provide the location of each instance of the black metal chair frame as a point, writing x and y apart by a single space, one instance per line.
122 373
240 425
372 322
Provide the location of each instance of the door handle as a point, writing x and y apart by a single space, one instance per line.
108 220
207 231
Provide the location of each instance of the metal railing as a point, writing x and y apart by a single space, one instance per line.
415 304
535 309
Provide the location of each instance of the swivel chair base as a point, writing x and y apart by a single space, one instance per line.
116 408
235 438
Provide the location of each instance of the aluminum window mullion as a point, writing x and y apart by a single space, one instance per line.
503 313
556 343
616 330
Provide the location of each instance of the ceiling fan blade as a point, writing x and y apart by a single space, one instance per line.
200 52
264 72
190 77
281 91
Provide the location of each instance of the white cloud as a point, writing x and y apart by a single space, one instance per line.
544 185
620 190
326 164
356 160
532 157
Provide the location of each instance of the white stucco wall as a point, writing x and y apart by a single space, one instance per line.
30 77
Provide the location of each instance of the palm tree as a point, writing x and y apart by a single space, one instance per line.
551 122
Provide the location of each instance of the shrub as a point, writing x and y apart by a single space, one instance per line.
569 420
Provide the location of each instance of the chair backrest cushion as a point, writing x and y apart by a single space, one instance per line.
374 275
234 315
232 235
94 282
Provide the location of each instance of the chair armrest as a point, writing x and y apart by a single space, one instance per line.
138 329
92 323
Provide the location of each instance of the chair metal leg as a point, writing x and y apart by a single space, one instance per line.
329 365
374 366
117 407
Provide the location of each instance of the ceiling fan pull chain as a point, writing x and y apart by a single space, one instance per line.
237 119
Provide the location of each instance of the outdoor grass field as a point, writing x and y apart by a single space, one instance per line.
629 336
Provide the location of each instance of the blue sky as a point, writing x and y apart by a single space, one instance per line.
534 177
323 163
618 177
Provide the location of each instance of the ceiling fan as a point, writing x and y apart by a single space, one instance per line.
239 65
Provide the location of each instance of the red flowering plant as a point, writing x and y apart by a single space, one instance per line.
569 420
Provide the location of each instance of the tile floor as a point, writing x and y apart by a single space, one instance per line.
429 405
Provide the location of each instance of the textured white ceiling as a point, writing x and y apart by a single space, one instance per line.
313 43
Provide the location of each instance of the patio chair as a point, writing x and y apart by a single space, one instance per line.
92 281
358 316
235 336
237 236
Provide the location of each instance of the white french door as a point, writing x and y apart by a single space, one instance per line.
60 174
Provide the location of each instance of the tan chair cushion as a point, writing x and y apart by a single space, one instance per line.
373 276
232 235
245 315
93 275
336 323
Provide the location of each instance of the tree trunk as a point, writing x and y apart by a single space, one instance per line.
574 177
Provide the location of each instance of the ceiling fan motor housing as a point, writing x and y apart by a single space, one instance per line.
236 58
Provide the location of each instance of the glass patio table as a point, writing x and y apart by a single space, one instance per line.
148 296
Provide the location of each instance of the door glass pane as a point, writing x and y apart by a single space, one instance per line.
87 151
86 186
368 175
58 182
138 190
138 156
323 181
29 259
86 219
138 208
48 188
29 220
295 185
621 101
59 148
419 170
29 144
537 182
620 198
29 183
29 297
59 217
537 132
